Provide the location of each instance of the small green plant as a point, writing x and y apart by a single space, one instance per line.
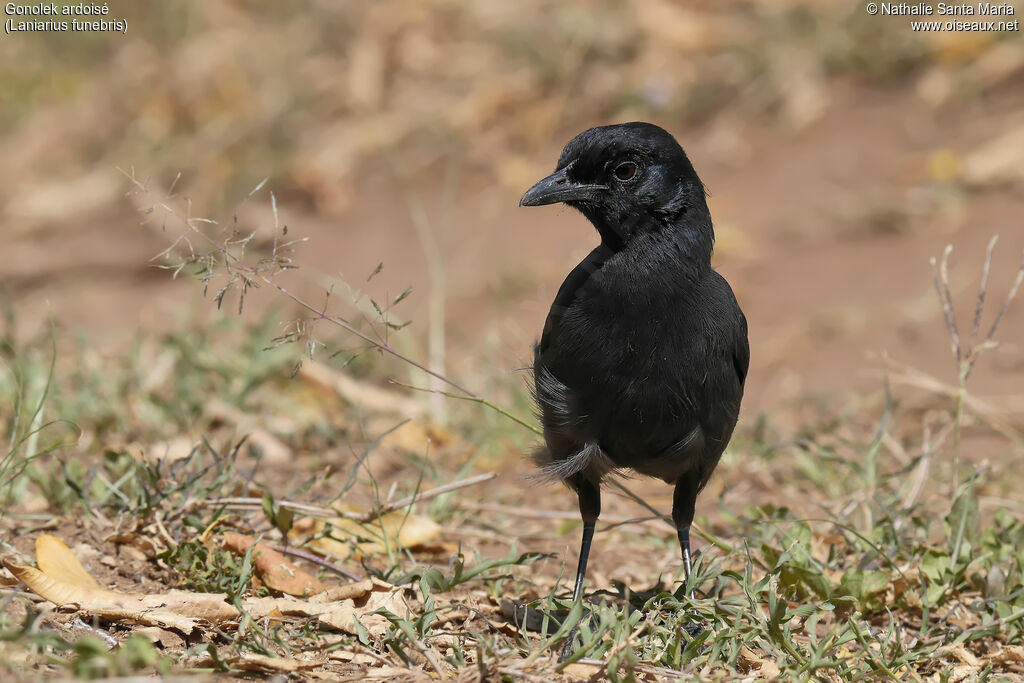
430 579
967 350
879 580
26 381
94 658
208 569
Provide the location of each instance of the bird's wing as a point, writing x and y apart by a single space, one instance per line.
741 351
567 292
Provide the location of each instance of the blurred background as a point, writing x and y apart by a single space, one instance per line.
393 139
842 151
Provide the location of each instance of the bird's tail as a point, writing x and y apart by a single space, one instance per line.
589 460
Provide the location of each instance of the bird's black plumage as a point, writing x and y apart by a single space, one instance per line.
644 353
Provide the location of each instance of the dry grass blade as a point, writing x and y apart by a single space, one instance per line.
316 559
940 277
244 275
980 306
1011 295
928 447
253 503
426 495
967 356
985 411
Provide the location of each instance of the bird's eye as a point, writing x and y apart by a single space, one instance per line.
625 171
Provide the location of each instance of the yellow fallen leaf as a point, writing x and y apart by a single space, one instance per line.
105 604
583 671
395 529
57 561
63 580
337 607
56 591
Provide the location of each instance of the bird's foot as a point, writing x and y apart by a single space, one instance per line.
570 640
567 649
693 628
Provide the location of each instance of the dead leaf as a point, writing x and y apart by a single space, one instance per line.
352 657
274 569
250 661
356 600
1010 654
57 561
66 582
260 608
166 639
338 607
353 591
143 544
768 669
395 529
369 397
57 592
961 672
581 671
129 553
965 656
417 436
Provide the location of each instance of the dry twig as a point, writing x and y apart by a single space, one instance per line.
967 355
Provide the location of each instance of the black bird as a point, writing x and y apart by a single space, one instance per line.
644 353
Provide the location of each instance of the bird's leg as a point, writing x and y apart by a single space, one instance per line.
590 509
581 568
684 543
683 503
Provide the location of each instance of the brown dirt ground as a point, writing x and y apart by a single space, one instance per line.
825 234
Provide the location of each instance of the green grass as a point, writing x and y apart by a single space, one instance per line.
881 565
865 574
861 588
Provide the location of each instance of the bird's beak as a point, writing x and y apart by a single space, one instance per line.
557 187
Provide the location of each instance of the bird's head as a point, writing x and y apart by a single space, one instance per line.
628 179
